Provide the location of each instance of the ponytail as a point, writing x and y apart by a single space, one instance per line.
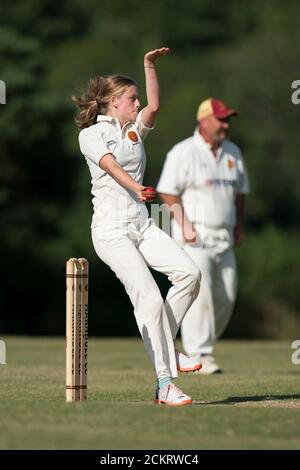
95 99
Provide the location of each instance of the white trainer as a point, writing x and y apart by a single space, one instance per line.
172 396
209 365
185 363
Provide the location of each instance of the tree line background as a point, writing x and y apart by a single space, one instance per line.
246 53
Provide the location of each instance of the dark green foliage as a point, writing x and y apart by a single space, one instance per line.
245 53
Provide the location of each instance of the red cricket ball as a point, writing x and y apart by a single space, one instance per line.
149 192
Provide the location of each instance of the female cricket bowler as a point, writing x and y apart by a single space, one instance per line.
124 237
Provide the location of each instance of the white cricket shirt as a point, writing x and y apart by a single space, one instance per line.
207 184
113 203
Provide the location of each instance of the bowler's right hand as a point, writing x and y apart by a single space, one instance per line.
146 193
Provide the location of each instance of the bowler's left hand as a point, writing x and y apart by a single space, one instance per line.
151 56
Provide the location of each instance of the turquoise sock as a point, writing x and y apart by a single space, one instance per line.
161 383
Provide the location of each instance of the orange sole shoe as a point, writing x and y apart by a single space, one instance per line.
163 402
189 369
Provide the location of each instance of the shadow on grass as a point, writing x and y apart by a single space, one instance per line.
248 399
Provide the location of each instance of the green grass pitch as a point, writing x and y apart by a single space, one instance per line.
254 404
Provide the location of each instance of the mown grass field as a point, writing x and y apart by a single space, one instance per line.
254 404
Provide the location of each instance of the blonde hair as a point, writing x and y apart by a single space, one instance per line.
95 99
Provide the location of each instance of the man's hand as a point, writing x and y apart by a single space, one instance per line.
189 233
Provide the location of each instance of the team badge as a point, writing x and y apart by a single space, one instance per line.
230 164
133 136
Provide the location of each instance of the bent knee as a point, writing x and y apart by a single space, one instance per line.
191 278
196 280
194 275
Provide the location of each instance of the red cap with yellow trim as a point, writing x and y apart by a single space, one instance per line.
214 107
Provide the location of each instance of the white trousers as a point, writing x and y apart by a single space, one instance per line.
209 315
129 250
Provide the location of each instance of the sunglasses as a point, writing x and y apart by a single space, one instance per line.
227 119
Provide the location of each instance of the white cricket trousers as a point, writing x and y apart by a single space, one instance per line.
129 252
209 315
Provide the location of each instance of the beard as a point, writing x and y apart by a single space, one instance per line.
220 136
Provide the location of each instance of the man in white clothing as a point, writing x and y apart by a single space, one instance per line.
204 183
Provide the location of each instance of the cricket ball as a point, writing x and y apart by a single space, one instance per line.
149 193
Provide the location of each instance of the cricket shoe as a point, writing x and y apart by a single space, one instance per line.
209 365
172 396
185 363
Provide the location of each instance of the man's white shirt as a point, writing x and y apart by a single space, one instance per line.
207 185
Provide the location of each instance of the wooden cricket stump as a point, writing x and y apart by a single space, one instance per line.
77 283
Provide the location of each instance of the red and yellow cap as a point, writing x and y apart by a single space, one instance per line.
214 107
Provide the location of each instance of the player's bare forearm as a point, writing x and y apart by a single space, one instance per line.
109 164
150 112
175 207
177 211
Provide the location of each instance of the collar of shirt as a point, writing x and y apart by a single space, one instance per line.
202 144
113 120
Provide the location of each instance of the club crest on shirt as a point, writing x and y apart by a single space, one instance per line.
230 164
133 136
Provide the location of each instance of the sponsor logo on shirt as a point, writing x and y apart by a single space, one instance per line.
220 182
